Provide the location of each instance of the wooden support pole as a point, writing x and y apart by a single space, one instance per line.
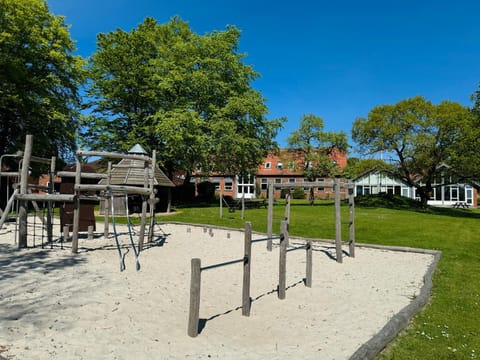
247 259
308 270
338 222
282 269
90 232
23 204
243 206
65 233
106 204
194 311
143 222
76 206
151 202
221 205
287 208
270 216
351 204
49 205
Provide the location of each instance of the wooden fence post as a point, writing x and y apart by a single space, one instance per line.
65 233
270 216
338 221
107 205
90 232
308 270
282 269
76 207
351 203
23 204
194 311
246 302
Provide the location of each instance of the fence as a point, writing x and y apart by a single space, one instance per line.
196 271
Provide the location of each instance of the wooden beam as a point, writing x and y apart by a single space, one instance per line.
113 155
83 175
114 188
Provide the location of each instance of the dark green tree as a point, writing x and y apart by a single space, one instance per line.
422 137
188 96
318 148
39 80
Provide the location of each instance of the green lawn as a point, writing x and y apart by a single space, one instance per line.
449 326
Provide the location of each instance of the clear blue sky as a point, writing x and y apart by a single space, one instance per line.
335 59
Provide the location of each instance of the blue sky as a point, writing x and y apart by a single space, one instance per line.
335 59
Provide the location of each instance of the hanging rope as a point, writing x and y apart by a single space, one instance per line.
135 251
122 263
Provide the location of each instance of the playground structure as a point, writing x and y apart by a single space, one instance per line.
92 192
246 260
337 185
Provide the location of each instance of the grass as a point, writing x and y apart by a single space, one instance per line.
448 327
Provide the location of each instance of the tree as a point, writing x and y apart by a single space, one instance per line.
186 95
39 79
422 137
318 148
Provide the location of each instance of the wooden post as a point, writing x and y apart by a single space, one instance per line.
76 208
65 233
282 269
90 232
338 221
308 275
287 212
247 259
23 204
221 205
106 202
287 208
243 206
270 216
143 222
194 311
351 204
49 204
152 204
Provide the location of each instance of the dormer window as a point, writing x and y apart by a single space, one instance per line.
280 165
268 165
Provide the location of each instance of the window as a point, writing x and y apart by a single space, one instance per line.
280 165
268 165
291 180
321 189
264 184
278 181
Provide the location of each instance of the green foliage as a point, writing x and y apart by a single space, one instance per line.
39 79
317 147
186 95
421 136
298 193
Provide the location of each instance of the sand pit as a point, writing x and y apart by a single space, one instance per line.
55 305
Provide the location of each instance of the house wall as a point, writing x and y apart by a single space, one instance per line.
380 182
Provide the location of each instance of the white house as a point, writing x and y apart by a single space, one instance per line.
382 181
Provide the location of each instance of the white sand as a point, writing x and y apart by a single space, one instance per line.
55 305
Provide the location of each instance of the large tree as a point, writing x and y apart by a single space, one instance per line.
318 148
188 96
39 79
424 140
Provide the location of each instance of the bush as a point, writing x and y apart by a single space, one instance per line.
298 193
